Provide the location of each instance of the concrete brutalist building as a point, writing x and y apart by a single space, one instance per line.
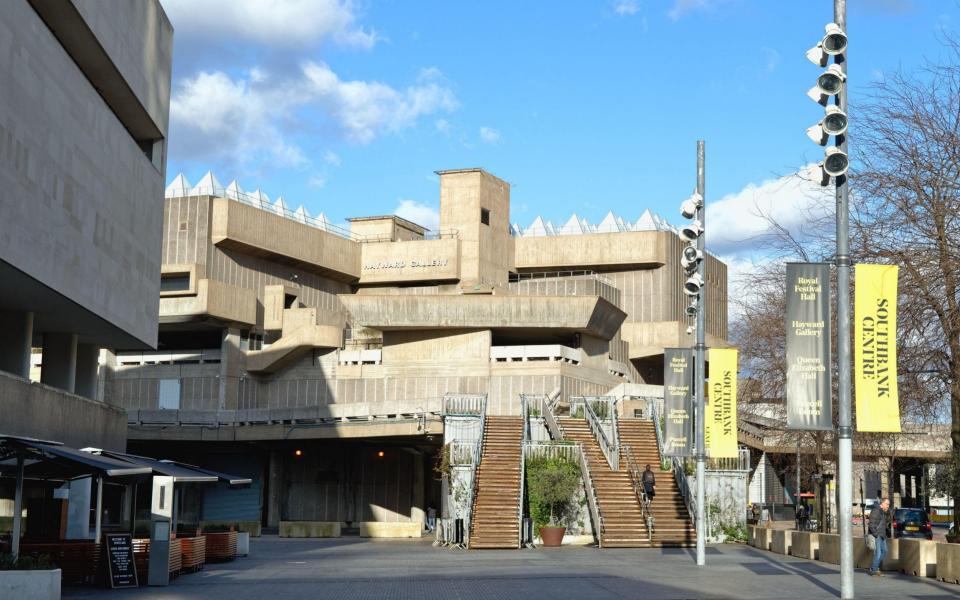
314 358
84 104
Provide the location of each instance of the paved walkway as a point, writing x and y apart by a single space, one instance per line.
355 569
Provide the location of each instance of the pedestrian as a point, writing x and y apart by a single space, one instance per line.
877 530
431 518
649 481
756 513
798 517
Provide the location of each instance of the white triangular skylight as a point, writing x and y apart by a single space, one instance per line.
178 188
208 186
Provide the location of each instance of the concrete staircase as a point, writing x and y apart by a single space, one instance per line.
623 522
672 524
494 522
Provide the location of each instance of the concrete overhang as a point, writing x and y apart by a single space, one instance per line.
259 233
585 314
292 346
648 339
213 299
599 251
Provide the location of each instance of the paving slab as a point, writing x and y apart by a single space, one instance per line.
358 569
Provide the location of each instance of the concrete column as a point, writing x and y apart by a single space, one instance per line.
274 489
16 341
418 509
86 373
78 509
231 365
60 360
109 366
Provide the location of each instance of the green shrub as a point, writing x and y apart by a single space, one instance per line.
25 562
552 485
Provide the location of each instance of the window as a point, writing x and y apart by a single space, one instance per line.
175 282
170 394
289 301
485 216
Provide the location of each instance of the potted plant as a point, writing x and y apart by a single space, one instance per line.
552 485
953 536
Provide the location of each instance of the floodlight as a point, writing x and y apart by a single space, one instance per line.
835 162
690 206
835 40
831 80
693 285
691 256
833 123
691 232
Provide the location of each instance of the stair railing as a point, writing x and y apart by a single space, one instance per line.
591 491
549 418
608 443
636 478
479 403
679 473
524 442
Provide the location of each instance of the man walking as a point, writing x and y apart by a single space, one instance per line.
879 521
649 481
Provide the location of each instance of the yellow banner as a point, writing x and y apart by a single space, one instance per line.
875 348
721 412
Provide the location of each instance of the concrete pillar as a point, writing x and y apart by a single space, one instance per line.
16 342
78 509
109 360
274 488
86 373
231 365
60 360
418 508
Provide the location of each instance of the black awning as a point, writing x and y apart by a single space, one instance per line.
51 460
180 473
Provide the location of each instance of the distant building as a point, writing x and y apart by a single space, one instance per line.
314 358
84 105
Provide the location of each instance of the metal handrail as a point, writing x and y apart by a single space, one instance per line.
679 472
525 415
476 465
637 480
592 502
611 449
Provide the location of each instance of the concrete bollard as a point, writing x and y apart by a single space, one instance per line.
918 557
863 556
805 544
948 562
829 548
781 541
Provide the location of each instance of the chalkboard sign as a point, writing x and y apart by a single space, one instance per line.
122 571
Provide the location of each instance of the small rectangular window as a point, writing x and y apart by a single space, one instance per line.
485 216
170 394
175 282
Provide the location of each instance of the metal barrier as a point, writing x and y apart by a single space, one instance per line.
465 404
679 472
741 462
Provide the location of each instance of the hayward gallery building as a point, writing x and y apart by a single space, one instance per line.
315 359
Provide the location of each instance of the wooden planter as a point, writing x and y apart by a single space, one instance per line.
141 558
194 552
78 561
221 546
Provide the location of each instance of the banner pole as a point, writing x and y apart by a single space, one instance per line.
700 368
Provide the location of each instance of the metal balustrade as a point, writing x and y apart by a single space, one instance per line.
636 479
679 472
604 429
465 404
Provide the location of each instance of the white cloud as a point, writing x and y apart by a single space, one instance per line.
684 7
256 117
735 222
286 23
421 214
317 181
443 126
332 158
771 59
626 7
489 135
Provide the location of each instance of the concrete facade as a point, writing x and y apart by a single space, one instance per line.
290 334
83 122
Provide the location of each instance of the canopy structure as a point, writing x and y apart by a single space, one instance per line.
23 458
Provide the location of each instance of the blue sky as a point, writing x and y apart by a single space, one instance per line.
349 107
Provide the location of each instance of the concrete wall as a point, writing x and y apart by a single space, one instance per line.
40 411
82 211
424 260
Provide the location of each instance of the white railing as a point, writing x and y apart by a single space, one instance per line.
592 502
551 352
740 462
604 429
549 450
168 357
372 356
636 478
480 401
465 404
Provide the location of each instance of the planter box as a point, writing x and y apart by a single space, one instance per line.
863 556
309 529
918 557
948 562
760 537
31 585
78 561
377 529
194 552
829 548
221 546
251 527
781 541
243 543
805 544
